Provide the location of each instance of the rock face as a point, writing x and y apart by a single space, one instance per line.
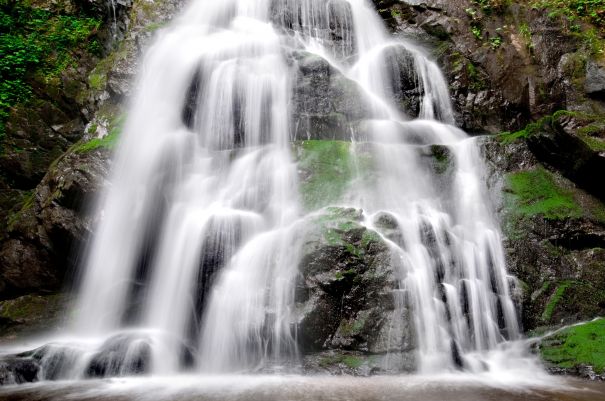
326 104
574 143
555 236
505 67
506 64
55 156
53 223
349 319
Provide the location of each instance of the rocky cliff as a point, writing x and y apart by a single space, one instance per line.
531 74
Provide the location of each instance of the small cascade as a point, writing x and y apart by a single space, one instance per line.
194 264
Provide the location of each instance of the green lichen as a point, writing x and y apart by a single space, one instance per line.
578 345
537 193
27 202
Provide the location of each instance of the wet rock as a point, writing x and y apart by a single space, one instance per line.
346 291
18 371
557 143
30 314
44 234
121 355
595 79
326 104
554 236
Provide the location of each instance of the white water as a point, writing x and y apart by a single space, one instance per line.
201 230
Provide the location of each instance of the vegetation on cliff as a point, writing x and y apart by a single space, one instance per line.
36 45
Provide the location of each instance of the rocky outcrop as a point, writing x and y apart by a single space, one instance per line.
573 143
506 63
46 221
326 104
554 236
53 223
348 316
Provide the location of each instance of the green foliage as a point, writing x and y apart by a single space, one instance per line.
592 11
536 192
36 44
495 42
477 31
525 32
492 6
582 344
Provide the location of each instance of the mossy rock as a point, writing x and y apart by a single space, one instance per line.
536 192
30 314
576 346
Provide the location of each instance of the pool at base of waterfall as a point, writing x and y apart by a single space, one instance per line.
454 387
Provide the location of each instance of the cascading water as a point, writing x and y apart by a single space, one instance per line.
196 258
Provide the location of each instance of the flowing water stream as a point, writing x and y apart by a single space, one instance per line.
193 266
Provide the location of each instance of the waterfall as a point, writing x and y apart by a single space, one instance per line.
196 257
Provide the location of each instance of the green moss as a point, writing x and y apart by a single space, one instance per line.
536 192
529 130
97 80
591 131
327 166
582 344
352 362
28 307
154 26
554 300
107 142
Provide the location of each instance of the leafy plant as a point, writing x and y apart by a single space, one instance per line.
36 44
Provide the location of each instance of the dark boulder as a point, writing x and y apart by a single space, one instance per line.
326 104
346 296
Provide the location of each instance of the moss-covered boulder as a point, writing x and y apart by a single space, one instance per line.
579 350
346 297
30 314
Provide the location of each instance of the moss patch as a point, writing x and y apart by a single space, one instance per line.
579 345
108 141
326 169
341 227
554 299
536 192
